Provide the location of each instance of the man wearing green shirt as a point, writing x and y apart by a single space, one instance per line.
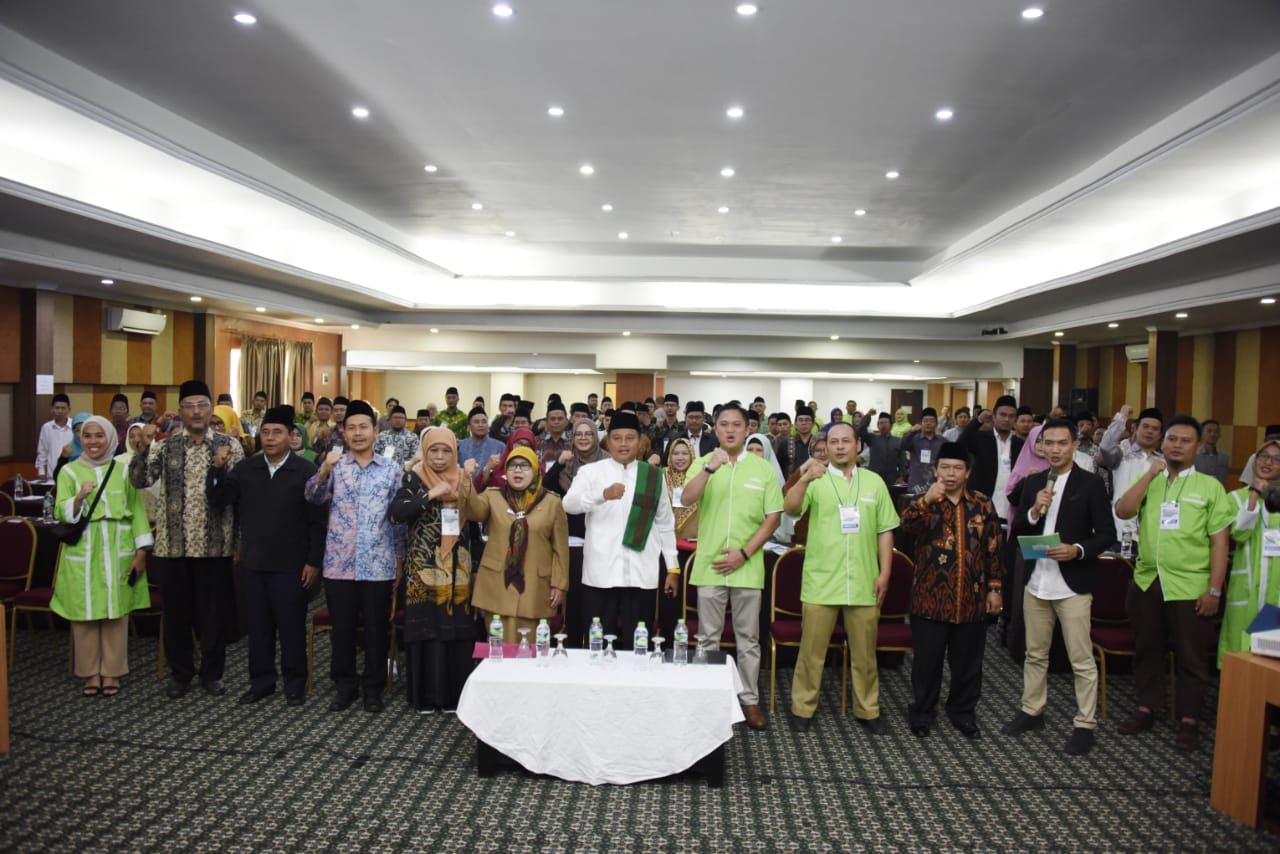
1184 518
451 416
739 507
846 569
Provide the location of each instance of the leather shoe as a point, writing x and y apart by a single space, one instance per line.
252 696
755 716
214 688
373 703
1139 722
174 689
1080 742
968 729
295 699
875 726
342 700
799 724
919 730
1023 723
1188 737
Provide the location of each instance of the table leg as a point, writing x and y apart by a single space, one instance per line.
486 760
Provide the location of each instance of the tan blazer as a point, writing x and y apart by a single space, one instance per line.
546 560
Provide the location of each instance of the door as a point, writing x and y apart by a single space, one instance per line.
910 398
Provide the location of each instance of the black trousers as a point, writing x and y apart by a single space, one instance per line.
1158 626
619 609
962 645
349 602
276 607
197 596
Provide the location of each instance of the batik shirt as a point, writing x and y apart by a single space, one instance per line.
958 557
362 543
185 524
403 445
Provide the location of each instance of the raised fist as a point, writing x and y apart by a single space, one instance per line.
221 456
331 459
614 492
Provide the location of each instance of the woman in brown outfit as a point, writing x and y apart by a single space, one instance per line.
525 569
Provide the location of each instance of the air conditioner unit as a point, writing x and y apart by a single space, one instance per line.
136 322
1137 353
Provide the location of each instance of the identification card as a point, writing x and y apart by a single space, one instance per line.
850 520
389 452
449 522
1271 543
677 496
926 456
1169 516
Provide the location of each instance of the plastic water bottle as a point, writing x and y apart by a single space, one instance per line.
1126 542
495 638
595 638
542 639
19 486
640 640
46 513
680 651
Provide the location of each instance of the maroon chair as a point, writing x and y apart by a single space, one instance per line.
7 507
17 554
29 600
894 632
785 609
690 595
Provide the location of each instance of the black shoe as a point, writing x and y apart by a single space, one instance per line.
1140 722
343 700
373 703
295 699
1080 742
1023 723
214 688
968 729
174 689
875 726
920 730
252 696
799 724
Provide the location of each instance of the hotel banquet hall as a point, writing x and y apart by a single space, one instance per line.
903 204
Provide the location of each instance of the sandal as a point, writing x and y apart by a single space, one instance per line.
90 690
110 690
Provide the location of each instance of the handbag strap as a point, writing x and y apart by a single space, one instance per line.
101 487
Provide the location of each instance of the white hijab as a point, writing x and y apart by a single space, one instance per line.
113 441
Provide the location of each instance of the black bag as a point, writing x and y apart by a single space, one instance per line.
70 532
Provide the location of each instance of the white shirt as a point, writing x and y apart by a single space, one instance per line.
272 469
606 562
49 446
1046 580
1004 451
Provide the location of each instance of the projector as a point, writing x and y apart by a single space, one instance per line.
1264 632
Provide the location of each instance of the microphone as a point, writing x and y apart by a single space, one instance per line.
1053 478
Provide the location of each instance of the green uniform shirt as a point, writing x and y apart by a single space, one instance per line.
841 568
733 506
1254 580
1180 557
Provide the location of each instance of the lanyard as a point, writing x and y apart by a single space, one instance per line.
857 481
1181 486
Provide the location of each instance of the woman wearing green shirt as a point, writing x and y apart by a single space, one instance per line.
1255 572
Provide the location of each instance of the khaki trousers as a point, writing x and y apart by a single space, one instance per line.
1074 615
744 606
102 647
816 624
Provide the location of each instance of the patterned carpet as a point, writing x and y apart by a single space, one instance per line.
143 773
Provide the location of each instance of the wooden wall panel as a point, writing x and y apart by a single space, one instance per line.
139 359
936 395
1202 378
1224 377
64 337
1245 383
114 355
1185 374
1119 379
86 360
1268 370
10 335
182 357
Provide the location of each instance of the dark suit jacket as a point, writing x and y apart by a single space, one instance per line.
280 531
986 456
1084 519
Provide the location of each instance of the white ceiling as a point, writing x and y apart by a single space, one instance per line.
189 154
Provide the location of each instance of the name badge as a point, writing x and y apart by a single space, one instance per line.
677 496
926 456
850 520
449 522
389 452
1169 516
1271 543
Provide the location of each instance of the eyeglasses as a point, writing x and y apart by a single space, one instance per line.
194 407
513 466
1268 458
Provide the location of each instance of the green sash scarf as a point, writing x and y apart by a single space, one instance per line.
644 507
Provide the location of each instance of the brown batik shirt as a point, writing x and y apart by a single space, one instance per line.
958 557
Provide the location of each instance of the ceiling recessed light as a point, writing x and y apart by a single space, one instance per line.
727 172
944 115
434 330
1182 315
892 174
245 19
355 326
1113 326
587 169
606 208
430 167
915 361
734 112
835 238
626 333
622 235
555 111
477 206
835 337
1058 334
106 281
260 309
509 233
860 212
319 320
722 209
197 299
360 112
746 10
503 10
1032 12
1268 300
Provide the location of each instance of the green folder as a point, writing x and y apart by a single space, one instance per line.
1034 548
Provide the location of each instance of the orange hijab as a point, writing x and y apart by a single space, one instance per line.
452 475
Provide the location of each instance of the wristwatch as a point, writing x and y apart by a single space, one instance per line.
1215 593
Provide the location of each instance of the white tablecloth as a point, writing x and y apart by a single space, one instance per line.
602 724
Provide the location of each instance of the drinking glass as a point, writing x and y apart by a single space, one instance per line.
560 655
524 650
655 657
610 657
700 654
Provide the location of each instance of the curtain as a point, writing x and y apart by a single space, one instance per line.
283 369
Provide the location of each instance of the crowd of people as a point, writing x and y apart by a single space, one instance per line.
581 512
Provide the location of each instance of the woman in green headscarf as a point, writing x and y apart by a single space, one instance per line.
901 423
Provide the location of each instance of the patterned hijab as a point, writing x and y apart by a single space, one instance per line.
113 440
230 421
521 504
581 458
498 477
676 478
